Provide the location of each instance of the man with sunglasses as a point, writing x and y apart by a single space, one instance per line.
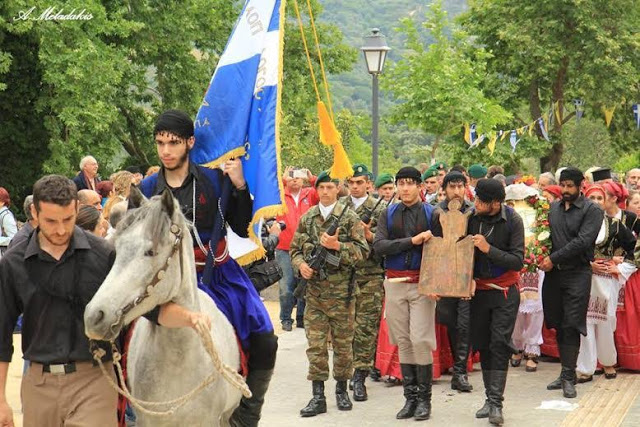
498 236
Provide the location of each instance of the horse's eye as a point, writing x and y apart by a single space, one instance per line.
150 252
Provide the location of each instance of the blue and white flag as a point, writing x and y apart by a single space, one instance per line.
240 113
636 114
543 131
513 140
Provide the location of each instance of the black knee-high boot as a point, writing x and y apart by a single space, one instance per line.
410 391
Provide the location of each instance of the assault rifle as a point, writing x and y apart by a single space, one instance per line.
319 257
366 215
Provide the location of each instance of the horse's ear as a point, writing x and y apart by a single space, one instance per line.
136 198
167 202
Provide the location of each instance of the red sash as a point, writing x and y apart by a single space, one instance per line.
413 275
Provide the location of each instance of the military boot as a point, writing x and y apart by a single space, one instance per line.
342 396
410 391
318 403
424 376
359 389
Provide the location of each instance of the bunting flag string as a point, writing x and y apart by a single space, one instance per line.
543 123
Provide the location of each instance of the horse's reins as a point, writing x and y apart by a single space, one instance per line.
229 374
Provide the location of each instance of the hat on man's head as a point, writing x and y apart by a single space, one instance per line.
571 174
360 169
477 171
489 190
601 174
383 178
439 166
453 176
325 177
409 172
429 173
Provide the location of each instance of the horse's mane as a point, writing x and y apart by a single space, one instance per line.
155 219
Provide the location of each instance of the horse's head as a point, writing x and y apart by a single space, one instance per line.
148 268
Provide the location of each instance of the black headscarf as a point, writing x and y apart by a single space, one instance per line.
176 122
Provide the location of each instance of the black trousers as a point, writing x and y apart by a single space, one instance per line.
493 317
455 314
565 299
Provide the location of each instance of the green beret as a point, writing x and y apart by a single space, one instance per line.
370 176
325 177
429 173
477 171
384 178
439 166
360 169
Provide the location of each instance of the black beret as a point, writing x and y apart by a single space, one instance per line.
600 174
409 172
489 190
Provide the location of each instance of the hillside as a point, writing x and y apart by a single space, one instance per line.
356 18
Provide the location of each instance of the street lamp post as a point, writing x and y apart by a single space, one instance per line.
375 51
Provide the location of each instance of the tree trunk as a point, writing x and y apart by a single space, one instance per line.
434 147
551 161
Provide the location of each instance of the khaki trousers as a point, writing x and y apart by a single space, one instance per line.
80 399
411 321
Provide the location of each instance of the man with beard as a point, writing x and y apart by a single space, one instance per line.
455 312
198 190
498 236
575 222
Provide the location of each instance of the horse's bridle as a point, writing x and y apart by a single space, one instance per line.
177 245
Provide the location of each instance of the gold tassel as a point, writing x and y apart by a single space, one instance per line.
341 165
329 135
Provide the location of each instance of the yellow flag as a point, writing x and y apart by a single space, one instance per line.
492 143
531 128
467 133
504 134
556 108
329 135
608 114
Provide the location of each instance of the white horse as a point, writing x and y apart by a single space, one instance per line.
163 363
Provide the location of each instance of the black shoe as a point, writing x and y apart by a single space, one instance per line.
516 362
495 416
410 391
484 411
375 375
486 379
460 383
317 404
287 326
424 375
359 389
300 324
342 396
247 414
555 384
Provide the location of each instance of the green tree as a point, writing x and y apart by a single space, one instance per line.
551 51
439 86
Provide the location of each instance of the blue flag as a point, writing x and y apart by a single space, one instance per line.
240 113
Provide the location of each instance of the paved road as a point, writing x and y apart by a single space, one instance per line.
290 391
600 403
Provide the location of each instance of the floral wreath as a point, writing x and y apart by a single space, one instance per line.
540 247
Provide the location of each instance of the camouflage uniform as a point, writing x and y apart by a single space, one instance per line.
369 276
330 308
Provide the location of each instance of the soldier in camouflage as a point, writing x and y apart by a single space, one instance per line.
330 307
368 275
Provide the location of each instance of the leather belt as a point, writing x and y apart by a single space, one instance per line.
60 369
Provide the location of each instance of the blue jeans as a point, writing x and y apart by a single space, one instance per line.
287 285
